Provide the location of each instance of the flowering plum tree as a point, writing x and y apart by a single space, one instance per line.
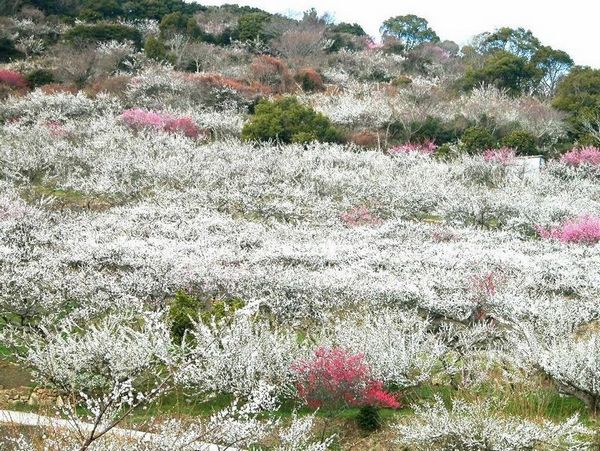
425 148
585 229
477 426
138 118
503 155
583 156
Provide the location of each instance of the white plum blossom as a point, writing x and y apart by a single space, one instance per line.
240 357
478 426
398 347
571 361
102 224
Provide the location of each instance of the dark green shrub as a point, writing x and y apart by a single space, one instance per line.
156 9
193 29
286 120
503 129
433 128
430 128
183 312
7 50
220 309
176 23
104 9
252 26
226 37
503 70
349 28
103 32
101 9
48 7
369 419
185 309
155 49
341 41
522 141
39 77
377 74
444 152
476 139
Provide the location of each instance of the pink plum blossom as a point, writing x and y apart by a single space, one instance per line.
426 148
585 155
504 155
585 229
138 118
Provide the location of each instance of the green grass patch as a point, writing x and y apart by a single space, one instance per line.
429 218
4 351
67 198
178 403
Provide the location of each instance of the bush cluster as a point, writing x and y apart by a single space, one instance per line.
477 139
522 141
288 121
40 77
309 80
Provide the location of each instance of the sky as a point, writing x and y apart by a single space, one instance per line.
566 25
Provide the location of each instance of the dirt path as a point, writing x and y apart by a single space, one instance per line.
13 376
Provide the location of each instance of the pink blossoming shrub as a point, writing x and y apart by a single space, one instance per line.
138 118
586 155
336 378
585 230
360 216
503 156
184 126
375 395
12 78
426 148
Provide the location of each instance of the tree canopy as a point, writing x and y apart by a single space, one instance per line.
252 26
105 9
518 41
536 66
552 65
578 95
410 30
349 28
503 70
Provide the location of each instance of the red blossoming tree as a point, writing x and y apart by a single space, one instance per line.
335 379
